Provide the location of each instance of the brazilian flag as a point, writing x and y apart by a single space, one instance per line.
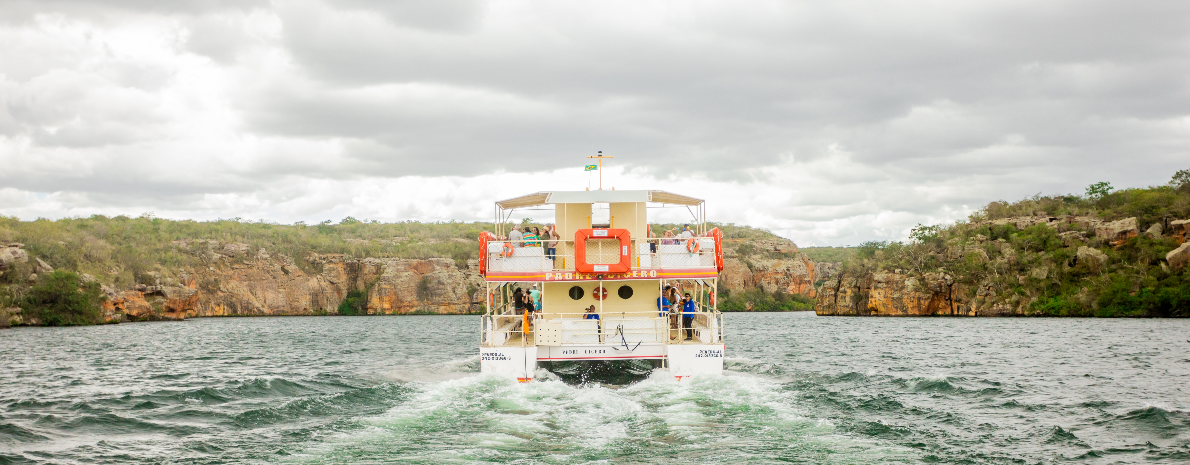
591 168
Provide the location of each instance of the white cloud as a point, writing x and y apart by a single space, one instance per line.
829 123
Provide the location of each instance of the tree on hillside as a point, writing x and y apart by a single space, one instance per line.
1181 180
1098 190
61 298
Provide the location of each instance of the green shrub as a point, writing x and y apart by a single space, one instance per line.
356 303
61 298
763 301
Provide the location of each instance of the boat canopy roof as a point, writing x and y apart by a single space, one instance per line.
598 196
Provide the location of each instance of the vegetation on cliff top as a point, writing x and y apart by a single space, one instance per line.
62 298
123 252
1049 268
829 254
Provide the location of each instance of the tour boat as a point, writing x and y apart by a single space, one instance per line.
604 258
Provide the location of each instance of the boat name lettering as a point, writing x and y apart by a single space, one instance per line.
495 356
709 353
560 276
584 351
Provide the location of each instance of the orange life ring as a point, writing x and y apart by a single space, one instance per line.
483 253
718 236
692 245
581 237
599 293
507 249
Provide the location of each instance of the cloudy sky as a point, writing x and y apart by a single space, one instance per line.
827 122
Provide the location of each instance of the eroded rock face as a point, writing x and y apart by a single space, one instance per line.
1179 257
1117 232
1091 254
11 254
790 276
1178 229
897 294
271 285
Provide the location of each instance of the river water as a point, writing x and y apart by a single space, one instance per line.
800 388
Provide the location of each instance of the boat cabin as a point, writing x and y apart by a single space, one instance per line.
607 256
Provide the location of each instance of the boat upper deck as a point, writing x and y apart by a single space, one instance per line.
601 235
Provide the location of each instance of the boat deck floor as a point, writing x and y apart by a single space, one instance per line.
676 337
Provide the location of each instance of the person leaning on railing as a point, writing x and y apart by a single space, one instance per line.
591 315
514 236
663 303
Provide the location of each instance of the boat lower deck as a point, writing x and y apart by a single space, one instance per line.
676 337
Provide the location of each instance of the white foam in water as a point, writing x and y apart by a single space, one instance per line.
701 419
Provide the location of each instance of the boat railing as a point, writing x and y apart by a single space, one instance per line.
646 254
560 329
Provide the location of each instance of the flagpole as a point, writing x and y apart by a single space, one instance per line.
600 157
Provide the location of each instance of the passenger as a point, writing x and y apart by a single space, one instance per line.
663 303
675 307
551 245
686 232
688 316
652 240
536 296
591 315
669 238
515 236
518 301
530 237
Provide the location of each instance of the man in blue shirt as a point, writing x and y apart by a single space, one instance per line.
663 303
688 316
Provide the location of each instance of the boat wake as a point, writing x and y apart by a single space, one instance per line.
701 419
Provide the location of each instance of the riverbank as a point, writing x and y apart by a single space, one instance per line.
153 269
1105 254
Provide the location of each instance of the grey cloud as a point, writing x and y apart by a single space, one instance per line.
220 37
438 15
20 11
757 84
934 106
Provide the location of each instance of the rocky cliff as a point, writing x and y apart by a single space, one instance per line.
1038 266
238 281
244 283
774 266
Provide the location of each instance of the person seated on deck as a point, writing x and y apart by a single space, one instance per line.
688 316
663 303
514 237
529 238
